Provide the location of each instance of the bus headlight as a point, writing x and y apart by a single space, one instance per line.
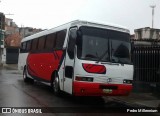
127 81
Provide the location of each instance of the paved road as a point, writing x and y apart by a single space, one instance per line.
15 93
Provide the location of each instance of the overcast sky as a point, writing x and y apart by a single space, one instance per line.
46 14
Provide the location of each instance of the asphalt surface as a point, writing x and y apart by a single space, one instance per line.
15 93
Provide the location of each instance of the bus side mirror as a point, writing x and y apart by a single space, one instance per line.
72 42
79 34
71 46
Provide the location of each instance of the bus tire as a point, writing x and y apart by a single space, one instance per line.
25 77
55 85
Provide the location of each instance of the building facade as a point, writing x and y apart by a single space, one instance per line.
13 37
147 33
27 31
2 32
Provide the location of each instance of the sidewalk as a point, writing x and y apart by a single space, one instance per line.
140 99
10 66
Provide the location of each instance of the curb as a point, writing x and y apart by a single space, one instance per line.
129 103
133 103
126 102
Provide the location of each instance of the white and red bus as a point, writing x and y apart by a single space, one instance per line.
80 58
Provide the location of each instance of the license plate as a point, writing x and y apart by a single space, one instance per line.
107 90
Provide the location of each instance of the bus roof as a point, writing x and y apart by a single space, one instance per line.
75 23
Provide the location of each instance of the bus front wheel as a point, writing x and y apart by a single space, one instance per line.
55 85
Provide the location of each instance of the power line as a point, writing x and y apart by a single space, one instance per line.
9 14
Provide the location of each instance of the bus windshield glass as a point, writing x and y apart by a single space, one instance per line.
103 45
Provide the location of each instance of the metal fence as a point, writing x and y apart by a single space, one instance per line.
146 60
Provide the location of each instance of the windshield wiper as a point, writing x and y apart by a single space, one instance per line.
120 61
100 58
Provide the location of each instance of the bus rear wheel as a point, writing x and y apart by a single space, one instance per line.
25 78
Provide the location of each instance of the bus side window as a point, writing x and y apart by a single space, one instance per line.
23 47
50 42
60 39
41 43
28 48
34 44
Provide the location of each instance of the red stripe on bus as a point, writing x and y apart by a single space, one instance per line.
43 64
94 89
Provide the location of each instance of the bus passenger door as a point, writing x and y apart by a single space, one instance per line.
69 61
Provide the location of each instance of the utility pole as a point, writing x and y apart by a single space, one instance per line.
153 6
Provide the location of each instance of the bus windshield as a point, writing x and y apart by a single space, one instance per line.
103 45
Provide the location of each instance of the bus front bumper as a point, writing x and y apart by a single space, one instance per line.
100 89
